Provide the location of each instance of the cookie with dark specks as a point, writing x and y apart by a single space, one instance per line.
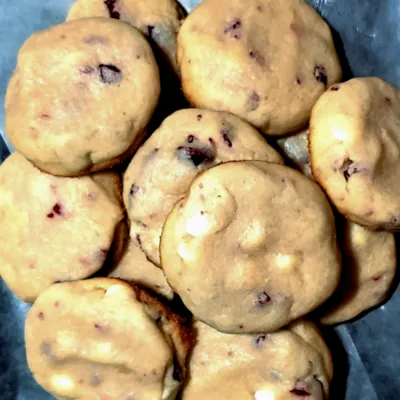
81 96
54 228
355 147
159 20
251 247
271 60
186 143
289 364
103 338
135 267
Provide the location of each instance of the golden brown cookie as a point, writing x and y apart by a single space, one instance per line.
135 267
369 267
251 247
53 228
160 20
81 96
186 143
292 363
267 61
355 147
103 338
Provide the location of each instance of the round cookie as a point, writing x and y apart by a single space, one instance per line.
78 346
81 95
272 59
355 147
288 364
365 280
295 149
160 20
251 247
369 267
135 267
53 228
186 143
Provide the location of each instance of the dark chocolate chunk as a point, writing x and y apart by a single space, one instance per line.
320 74
233 29
197 155
111 8
110 74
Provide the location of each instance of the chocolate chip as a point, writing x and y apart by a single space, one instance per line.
138 239
110 74
260 339
299 392
95 381
111 8
225 135
394 220
253 101
377 277
190 138
348 169
233 28
298 80
257 57
197 155
134 190
388 101
41 316
320 74
262 298
334 88
199 117
241 326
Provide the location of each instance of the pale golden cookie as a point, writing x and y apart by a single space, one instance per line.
103 338
52 228
135 267
186 143
355 150
369 267
295 149
251 247
81 95
267 61
160 20
293 363
369 258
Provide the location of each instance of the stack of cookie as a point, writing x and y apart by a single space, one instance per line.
206 211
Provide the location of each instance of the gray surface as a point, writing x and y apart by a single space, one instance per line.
366 352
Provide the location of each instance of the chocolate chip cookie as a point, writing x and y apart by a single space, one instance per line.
355 150
81 96
267 61
186 143
103 338
251 247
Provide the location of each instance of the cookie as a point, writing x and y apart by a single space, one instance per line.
186 143
369 267
365 280
103 338
53 228
160 20
251 247
293 363
271 60
355 147
135 267
81 96
295 150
